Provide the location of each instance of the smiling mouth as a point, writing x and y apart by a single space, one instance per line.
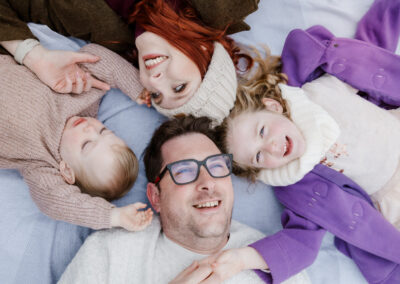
287 148
208 204
78 121
153 61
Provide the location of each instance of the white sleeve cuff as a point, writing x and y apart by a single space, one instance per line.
23 49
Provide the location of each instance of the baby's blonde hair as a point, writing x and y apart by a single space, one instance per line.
124 174
262 82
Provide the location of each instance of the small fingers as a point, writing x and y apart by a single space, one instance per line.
99 84
88 82
77 88
81 57
139 205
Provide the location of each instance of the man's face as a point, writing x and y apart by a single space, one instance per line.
201 209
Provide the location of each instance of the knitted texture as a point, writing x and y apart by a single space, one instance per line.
32 120
119 256
319 130
217 92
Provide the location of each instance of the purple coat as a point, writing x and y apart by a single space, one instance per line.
366 63
326 200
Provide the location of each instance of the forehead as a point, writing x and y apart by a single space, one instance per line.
189 146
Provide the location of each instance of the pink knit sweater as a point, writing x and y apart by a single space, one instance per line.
32 119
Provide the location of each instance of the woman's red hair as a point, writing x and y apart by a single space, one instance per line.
183 30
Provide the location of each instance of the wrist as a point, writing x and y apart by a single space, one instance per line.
115 217
252 259
34 56
24 47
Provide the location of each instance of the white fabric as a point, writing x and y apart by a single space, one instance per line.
24 48
217 92
118 256
319 131
367 150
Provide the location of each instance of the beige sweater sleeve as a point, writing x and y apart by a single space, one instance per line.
114 70
65 202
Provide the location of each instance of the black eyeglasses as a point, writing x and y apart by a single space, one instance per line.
187 171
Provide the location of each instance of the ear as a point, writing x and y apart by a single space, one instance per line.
272 105
153 194
67 172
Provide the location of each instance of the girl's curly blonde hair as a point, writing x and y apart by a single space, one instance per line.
261 82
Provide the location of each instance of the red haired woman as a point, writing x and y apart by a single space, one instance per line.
185 66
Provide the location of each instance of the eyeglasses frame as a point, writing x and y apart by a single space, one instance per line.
199 164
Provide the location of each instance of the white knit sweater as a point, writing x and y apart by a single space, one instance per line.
343 131
147 257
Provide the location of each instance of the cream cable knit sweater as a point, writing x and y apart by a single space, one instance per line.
148 257
32 119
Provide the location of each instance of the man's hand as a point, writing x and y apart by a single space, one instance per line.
60 70
130 218
196 273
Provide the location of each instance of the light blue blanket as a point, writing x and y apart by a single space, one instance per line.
36 249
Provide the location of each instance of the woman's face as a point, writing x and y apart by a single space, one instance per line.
265 139
169 75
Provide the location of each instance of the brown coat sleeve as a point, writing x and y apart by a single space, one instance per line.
219 13
90 20
65 202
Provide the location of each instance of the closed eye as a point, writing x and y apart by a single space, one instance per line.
85 144
103 130
258 157
262 132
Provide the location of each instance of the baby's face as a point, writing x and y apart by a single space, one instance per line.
87 144
264 139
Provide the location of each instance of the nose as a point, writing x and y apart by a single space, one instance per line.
156 78
205 181
89 128
272 147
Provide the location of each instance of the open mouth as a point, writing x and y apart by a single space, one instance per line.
151 60
208 204
78 121
287 148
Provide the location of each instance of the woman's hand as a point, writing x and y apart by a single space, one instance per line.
130 218
60 70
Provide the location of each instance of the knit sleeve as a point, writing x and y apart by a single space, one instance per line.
65 202
114 70
11 26
91 264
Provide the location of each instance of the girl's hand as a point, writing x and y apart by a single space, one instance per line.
194 274
144 98
60 70
130 218
230 262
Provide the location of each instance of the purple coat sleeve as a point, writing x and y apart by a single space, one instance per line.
381 24
290 250
369 68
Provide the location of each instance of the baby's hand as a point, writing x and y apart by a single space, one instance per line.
130 218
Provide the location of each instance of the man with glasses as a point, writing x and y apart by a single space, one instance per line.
191 189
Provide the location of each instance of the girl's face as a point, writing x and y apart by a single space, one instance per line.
169 75
265 139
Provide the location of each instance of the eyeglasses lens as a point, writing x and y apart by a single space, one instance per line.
187 171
